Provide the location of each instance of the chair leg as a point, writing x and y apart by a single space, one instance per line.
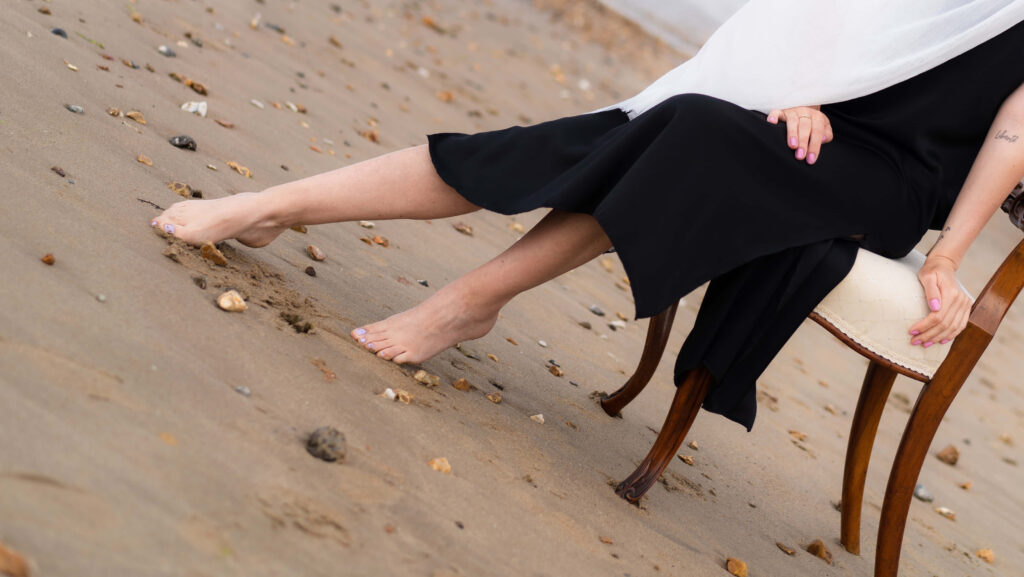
873 394
689 397
931 406
657 337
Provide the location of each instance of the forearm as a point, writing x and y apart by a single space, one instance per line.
997 168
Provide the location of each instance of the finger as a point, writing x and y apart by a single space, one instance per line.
924 328
963 313
816 138
828 131
803 135
774 115
791 129
933 334
932 294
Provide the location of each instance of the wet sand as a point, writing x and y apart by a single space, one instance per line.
130 446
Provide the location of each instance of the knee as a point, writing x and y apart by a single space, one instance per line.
697 111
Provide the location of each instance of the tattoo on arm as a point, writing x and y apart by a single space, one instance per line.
942 234
1004 135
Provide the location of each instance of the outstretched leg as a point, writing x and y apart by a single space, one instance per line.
468 307
401 184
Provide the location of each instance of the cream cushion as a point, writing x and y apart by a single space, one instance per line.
877 303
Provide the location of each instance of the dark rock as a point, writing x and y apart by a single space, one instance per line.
200 281
329 444
424 283
59 32
166 51
310 271
923 494
243 390
596 310
182 141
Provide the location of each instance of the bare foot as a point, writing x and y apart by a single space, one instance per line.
450 316
244 217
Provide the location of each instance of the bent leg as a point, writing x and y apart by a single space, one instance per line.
468 307
400 184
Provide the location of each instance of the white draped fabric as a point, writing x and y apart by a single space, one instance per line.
785 53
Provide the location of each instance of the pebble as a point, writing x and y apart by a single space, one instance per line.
58 171
424 283
555 370
142 158
257 104
736 567
946 512
183 141
329 444
75 108
494 397
538 418
586 325
59 32
166 51
403 397
212 253
135 115
426 378
198 108
200 281
686 459
693 445
923 494
231 301
616 325
596 310
440 464
310 271
315 253
48 259
462 385
950 455
785 549
239 169
986 555
243 390
819 550
389 394
366 224
542 343
463 228
101 298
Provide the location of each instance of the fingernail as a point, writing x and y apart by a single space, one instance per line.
943 341
915 333
800 153
928 344
934 303
169 228
792 141
362 340
772 119
360 331
917 342
811 158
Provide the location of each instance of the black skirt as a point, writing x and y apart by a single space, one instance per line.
698 189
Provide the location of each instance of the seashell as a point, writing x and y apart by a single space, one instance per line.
736 567
462 385
427 378
239 169
144 160
538 418
231 301
494 397
183 141
463 228
212 253
199 108
48 259
315 253
440 464
136 116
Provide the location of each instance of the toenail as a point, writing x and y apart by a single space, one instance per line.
169 228
362 340
152 223
372 346
360 331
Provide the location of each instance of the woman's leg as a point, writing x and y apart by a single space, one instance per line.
468 308
401 184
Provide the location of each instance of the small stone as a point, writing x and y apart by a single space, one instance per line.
516 228
142 158
693 445
538 418
310 271
424 283
923 494
819 550
243 390
44 10
785 549
440 464
797 435
58 171
183 141
199 281
366 224
596 310
329 444
616 325
48 259
184 190
606 540
607 264
389 394
621 316
494 397
463 228
965 486
166 51
736 567
382 241
586 325
75 108
136 116
555 370
227 124
70 66
686 459
198 108
831 410
986 555
543 344
300 228
403 397
59 32
231 301
492 357
950 455
213 254
462 385
426 378
239 169
946 512
315 253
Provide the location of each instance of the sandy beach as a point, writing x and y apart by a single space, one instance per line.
145 432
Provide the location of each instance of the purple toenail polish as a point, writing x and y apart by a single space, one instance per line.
362 340
169 228
360 331
371 346
152 223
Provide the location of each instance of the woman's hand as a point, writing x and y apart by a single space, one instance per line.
950 305
807 129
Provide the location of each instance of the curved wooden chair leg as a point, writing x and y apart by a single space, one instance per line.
689 397
873 394
657 337
931 406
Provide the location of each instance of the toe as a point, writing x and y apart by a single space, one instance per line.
378 345
359 334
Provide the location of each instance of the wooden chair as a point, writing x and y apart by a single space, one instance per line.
942 380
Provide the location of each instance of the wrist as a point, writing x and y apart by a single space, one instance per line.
942 257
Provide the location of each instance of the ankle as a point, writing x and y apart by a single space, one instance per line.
274 207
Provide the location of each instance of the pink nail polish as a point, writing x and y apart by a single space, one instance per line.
943 341
811 158
917 342
792 141
934 304
915 333
928 344
800 153
772 119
